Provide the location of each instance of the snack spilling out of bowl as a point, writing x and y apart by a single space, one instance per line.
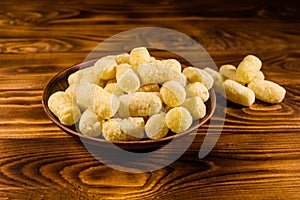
129 97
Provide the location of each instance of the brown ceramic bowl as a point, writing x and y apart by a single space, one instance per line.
60 83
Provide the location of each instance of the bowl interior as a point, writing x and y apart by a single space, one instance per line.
60 83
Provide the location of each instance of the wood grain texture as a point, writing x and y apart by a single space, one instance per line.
257 155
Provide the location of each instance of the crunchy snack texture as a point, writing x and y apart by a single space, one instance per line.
196 107
156 127
247 69
90 124
238 93
197 89
247 82
267 91
144 104
123 129
173 93
64 108
178 119
131 95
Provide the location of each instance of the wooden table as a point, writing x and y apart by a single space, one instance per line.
257 155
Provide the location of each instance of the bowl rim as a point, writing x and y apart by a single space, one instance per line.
68 130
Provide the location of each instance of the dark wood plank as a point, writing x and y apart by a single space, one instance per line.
65 164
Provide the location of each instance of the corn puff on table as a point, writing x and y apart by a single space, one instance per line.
257 155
